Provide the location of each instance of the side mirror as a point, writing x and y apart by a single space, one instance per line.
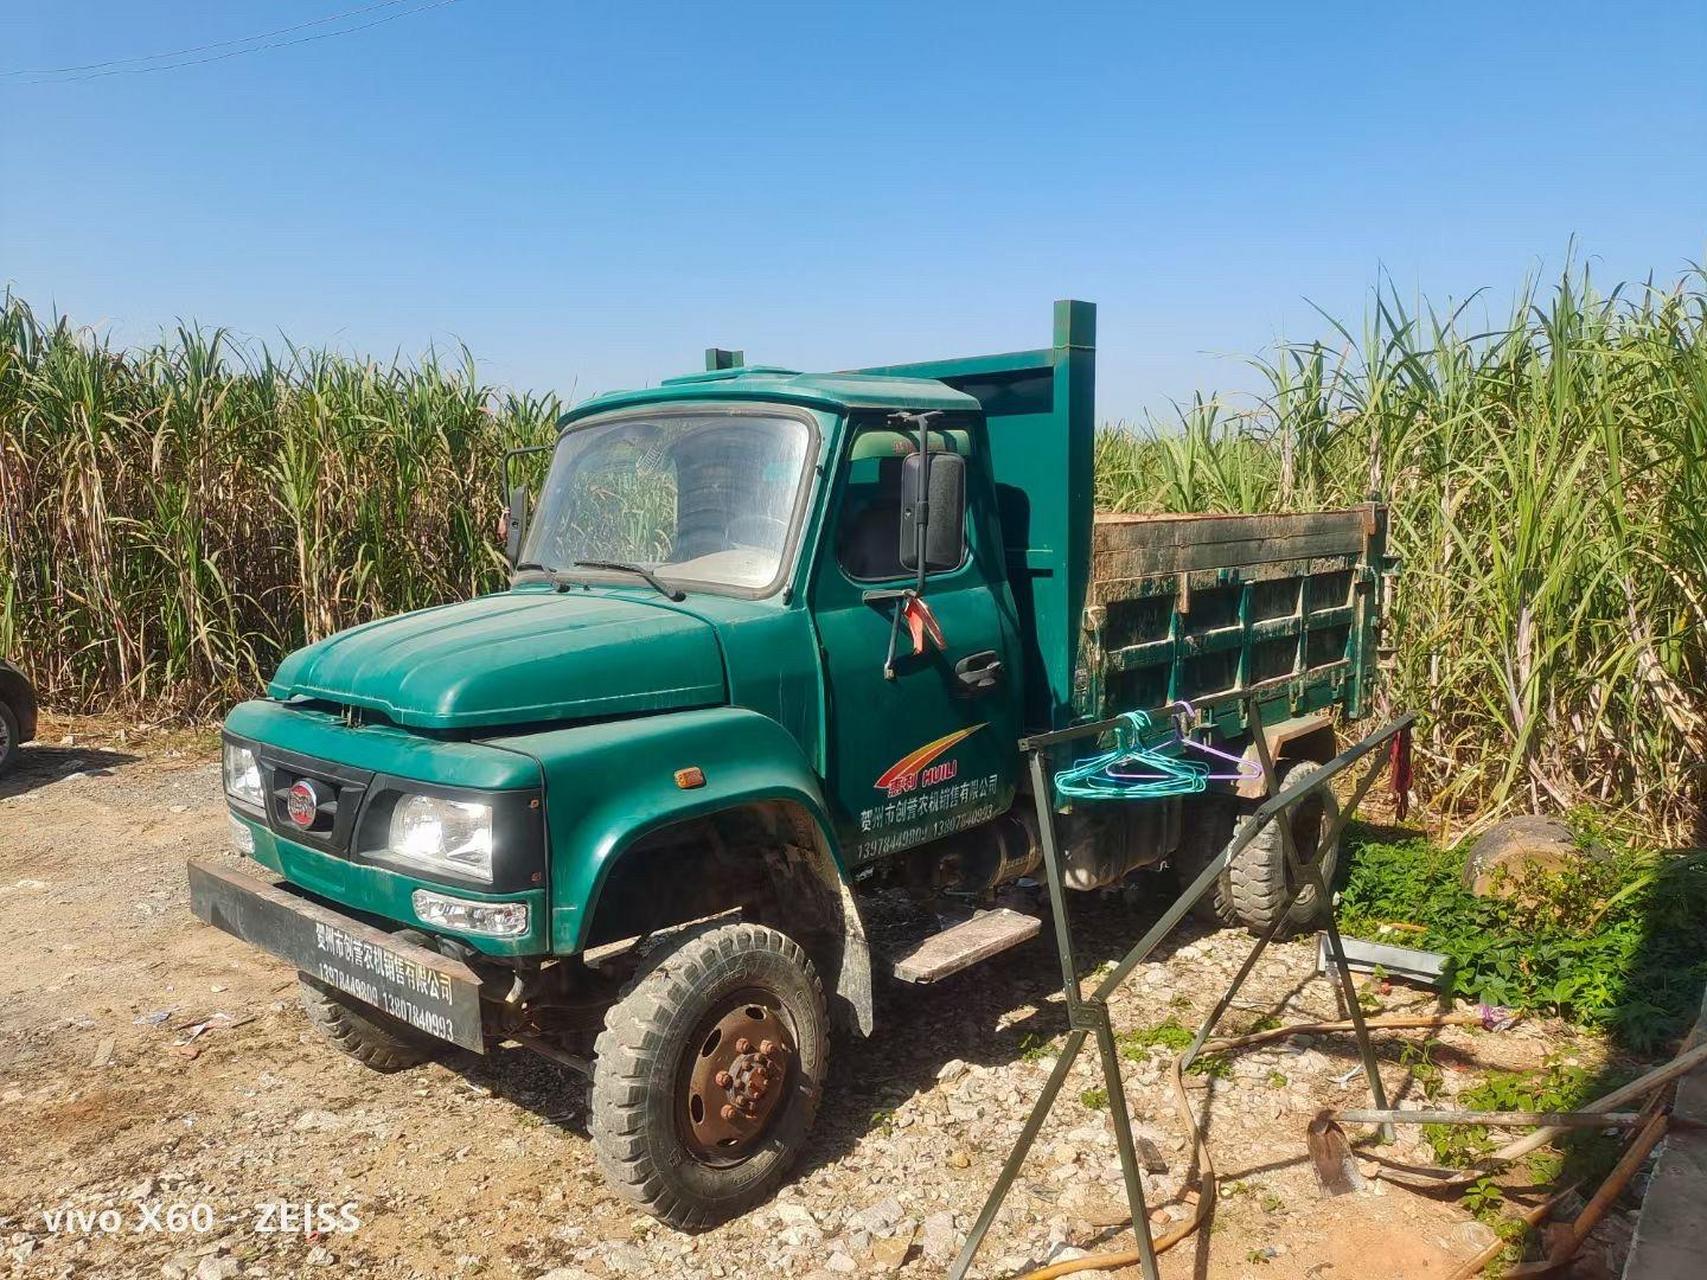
515 524
945 527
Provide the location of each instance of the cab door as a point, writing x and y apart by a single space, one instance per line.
932 749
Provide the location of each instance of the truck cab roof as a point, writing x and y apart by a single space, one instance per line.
834 391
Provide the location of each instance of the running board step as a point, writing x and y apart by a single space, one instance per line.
965 944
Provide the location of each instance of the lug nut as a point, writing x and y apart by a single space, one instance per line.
743 1045
723 1080
767 1047
728 1112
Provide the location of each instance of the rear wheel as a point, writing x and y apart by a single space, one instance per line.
1258 878
372 1038
708 1074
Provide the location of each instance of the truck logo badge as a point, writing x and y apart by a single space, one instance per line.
302 803
907 772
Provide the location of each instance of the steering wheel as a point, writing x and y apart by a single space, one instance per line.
763 525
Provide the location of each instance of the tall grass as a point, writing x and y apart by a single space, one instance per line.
1547 477
174 519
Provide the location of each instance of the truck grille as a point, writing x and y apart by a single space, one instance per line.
331 794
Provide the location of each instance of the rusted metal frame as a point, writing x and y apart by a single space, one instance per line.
1207 877
1086 1014
1260 740
1091 1016
1083 1017
1313 872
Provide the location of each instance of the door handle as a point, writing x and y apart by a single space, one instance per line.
979 672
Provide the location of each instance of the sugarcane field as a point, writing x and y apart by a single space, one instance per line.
1181 757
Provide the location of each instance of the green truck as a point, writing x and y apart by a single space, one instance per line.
740 740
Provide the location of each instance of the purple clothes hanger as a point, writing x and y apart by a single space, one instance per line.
1245 770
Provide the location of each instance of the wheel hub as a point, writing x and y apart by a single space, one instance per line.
738 1080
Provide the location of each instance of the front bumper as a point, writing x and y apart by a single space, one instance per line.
431 992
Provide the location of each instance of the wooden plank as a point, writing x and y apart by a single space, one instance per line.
986 934
1149 561
1124 531
1139 546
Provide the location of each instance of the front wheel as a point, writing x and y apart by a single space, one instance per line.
708 1074
374 1039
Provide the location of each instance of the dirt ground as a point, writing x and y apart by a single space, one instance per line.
157 1076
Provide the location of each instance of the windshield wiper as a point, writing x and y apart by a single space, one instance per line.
669 593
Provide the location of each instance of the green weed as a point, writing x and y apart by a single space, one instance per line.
1138 1043
1217 1066
1035 1048
1612 943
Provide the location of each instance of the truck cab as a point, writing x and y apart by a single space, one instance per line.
769 645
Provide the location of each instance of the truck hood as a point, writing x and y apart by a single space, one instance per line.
516 658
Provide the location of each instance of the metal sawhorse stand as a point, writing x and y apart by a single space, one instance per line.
1088 1015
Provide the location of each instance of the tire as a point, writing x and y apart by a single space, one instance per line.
1212 820
10 735
655 1109
374 1039
1258 882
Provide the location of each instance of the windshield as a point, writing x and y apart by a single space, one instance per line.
694 497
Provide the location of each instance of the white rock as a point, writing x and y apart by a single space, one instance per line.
940 1239
879 1219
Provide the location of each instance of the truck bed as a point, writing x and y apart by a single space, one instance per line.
1211 607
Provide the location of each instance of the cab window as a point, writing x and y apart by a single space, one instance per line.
868 531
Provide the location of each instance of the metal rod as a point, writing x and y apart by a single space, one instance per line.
1040 790
1022 1147
1313 870
1093 1010
1499 1119
1039 741
1365 1046
1128 1157
560 1056
1226 1001
1339 824
1207 877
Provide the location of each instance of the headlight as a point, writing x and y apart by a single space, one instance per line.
443 835
494 919
243 776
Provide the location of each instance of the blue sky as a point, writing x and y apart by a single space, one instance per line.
589 194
